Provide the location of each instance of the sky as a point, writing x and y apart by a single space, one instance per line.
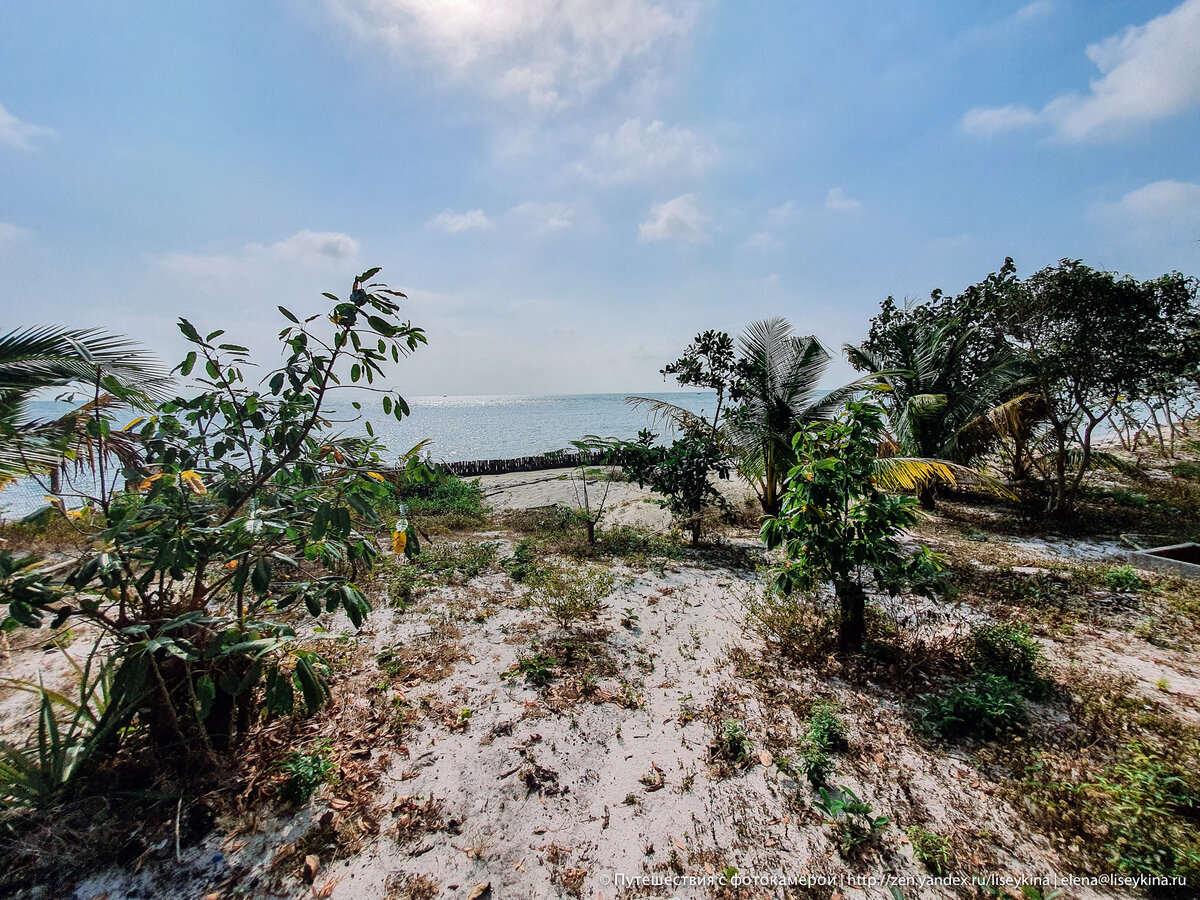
569 190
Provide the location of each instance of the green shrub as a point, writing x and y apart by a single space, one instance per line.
523 565
1123 578
988 706
465 560
570 596
537 669
929 849
1009 650
305 772
854 828
732 743
440 502
1151 808
823 734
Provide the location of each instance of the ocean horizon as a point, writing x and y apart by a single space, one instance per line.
458 427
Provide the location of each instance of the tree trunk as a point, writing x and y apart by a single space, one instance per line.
695 526
852 630
590 525
928 497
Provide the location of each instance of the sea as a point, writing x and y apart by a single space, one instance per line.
460 427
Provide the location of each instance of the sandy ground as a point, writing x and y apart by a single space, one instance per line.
488 787
625 503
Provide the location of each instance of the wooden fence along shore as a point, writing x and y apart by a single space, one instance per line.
475 467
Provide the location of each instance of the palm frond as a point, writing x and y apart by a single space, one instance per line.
51 356
666 414
908 473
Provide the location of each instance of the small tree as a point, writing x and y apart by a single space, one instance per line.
247 505
836 526
681 473
710 362
1088 338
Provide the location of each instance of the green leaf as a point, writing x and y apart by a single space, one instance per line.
206 692
311 685
260 577
289 316
189 363
279 696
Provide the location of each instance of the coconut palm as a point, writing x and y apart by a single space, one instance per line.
938 406
112 368
776 394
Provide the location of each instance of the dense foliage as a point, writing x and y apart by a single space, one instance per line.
246 504
681 473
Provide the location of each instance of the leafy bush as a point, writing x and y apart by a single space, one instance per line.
305 773
1009 650
439 501
823 734
732 743
243 503
523 565
1123 578
537 669
929 849
572 595
854 828
836 526
680 472
465 560
1151 808
988 705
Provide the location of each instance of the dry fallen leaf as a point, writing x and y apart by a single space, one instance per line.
678 844
765 758
338 803
323 892
312 865
480 890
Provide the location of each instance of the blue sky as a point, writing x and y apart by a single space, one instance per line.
568 191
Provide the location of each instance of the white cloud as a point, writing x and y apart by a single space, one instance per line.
837 200
1148 73
544 218
1165 203
678 219
1038 9
16 133
985 122
548 54
305 247
782 214
635 152
450 222
10 233
760 240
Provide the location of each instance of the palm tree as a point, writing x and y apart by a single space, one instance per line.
940 406
776 394
112 368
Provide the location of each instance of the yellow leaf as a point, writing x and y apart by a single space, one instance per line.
136 421
194 482
149 481
399 539
376 476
